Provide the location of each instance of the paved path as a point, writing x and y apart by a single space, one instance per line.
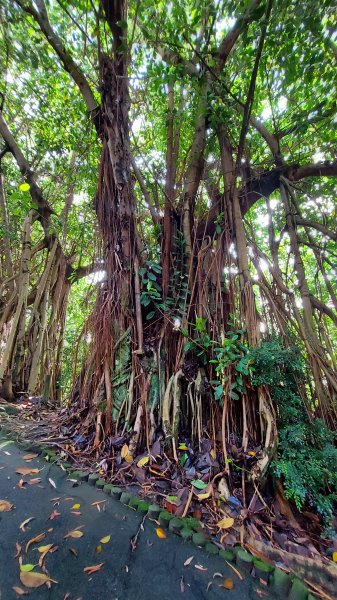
154 570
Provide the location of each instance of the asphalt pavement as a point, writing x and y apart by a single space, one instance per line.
137 564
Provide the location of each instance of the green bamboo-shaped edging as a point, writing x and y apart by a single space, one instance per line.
188 528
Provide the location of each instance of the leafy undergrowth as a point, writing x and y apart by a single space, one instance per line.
307 454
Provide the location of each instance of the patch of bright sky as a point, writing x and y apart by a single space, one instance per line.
318 157
224 25
79 198
95 278
281 107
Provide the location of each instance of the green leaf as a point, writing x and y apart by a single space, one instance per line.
24 187
27 568
200 485
218 392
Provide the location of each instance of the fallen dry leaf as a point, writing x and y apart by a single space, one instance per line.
26 471
52 483
105 539
25 522
228 584
201 568
98 549
46 548
30 456
21 484
75 533
75 512
124 451
188 561
217 575
93 568
18 550
98 502
19 591
34 481
5 506
226 523
37 538
53 514
235 570
73 551
143 461
35 580
160 533
49 548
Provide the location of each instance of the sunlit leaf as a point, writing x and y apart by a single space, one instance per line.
188 561
24 187
42 549
98 549
182 447
143 461
26 568
75 533
226 523
334 556
76 506
160 533
105 539
124 451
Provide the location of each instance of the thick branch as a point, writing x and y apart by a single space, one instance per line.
313 170
327 232
43 208
41 17
74 275
114 14
229 40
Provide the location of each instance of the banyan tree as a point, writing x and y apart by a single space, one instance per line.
201 139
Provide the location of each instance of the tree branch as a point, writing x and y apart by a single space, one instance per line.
313 170
41 17
43 209
229 40
73 275
327 232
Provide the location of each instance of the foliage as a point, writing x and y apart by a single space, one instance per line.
307 456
